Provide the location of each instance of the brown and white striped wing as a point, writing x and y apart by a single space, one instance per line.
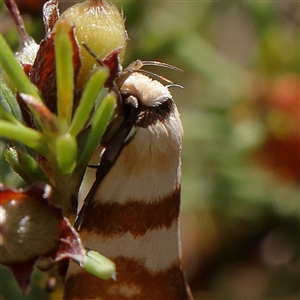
131 215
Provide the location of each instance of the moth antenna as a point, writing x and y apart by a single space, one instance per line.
160 64
137 66
151 74
174 85
93 54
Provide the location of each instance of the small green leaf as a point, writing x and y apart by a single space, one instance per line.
8 100
66 153
29 137
99 122
46 120
87 101
64 70
25 165
15 71
99 265
6 114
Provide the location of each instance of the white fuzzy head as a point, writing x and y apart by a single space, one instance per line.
150 92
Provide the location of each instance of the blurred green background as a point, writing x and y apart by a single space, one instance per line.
240 215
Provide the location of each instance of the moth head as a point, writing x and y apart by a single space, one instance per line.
149 92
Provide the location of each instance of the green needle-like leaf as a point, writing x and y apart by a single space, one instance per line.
66 153
87 101
15 71
25 165
9 101
7 115
27 136
99 122
64 70
99 265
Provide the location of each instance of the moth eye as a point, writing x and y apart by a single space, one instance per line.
131 100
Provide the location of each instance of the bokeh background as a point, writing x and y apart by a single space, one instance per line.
240 220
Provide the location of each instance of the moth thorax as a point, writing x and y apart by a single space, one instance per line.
149 92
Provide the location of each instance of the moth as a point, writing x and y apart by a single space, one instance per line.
131 213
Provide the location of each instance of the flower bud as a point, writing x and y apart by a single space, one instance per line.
101 27
29 226
33 229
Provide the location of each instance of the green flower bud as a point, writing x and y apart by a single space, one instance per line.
100 26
